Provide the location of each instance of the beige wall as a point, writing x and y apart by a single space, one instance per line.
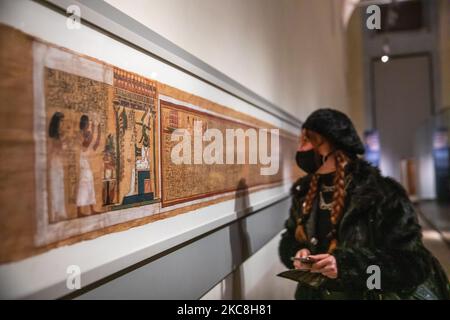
355 72
289 51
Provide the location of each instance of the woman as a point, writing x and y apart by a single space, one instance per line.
346 218
86 189
56 169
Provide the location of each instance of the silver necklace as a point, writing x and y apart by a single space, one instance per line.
325 188
329 206
323 205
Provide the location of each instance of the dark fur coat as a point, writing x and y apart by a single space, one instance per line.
379 227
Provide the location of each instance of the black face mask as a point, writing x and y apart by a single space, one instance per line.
308 161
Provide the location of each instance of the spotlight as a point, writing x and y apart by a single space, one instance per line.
386 51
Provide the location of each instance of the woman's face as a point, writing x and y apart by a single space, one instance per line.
304 143
312 140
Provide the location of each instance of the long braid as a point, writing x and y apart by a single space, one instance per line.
300 234
339 191
338 196
312 191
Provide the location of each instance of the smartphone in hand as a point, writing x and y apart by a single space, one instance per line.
305 260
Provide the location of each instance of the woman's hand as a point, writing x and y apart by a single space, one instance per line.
326 265
302 254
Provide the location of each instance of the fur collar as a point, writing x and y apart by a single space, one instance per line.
364 193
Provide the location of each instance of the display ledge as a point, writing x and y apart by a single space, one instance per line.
45 276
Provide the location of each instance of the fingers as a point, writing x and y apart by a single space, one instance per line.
322 263
297 264
325 264
304 253
320 256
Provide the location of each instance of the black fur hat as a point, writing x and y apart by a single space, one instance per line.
337 128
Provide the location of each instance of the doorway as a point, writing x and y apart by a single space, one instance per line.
403 100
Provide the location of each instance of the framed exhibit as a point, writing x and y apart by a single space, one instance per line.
88 137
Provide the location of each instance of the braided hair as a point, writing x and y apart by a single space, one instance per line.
338 196
337 205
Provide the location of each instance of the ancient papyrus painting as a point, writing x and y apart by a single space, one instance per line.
85 149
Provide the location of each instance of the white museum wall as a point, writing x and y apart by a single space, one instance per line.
290 52
269 47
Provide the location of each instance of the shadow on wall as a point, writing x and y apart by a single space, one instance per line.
240 244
